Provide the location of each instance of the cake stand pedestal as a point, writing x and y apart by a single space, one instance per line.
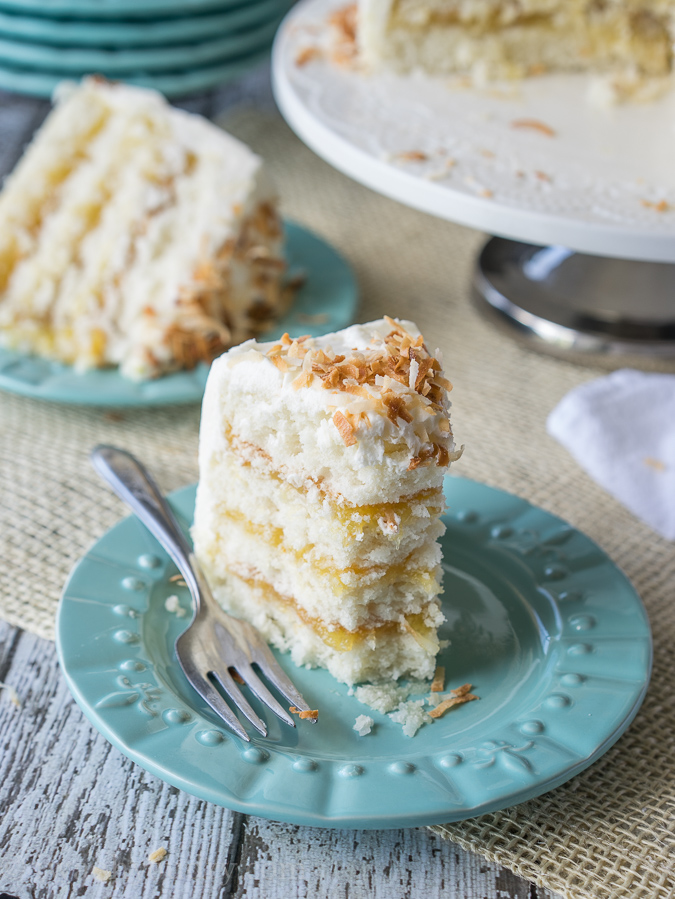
576 305
581 198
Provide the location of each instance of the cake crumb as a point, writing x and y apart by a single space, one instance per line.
157 855
386 697
12 695
411 715
101 874
363 725
172 604
655 464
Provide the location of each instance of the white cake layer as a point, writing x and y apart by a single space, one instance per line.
345 597
252 401
312 528
111 224
377 657
504 39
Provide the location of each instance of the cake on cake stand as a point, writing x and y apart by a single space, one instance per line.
579 193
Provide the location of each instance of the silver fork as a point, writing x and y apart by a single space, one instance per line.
215 643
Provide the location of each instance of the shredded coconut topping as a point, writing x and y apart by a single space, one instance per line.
395 377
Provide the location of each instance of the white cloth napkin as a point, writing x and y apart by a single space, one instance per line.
621 430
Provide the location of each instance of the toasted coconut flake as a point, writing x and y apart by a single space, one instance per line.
412 156
443 457
396 408
661 206
534 125
414 373
438 683
345 428
307 54
312 714
461 691
157 855
280 363
450 703
303 380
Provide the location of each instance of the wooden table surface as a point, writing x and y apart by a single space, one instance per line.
70 802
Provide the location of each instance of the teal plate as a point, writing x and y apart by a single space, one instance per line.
326 302
171 84
153 33
550 633
114 9
76 61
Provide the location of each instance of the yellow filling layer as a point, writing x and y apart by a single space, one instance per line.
336 636
274 537
38 206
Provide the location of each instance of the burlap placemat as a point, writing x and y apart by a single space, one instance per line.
610 832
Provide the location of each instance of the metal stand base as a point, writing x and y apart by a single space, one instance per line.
589 309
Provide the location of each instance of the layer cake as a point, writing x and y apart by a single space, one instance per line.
499 38
320 493
136 235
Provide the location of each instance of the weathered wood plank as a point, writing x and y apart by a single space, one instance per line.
70 801
279 860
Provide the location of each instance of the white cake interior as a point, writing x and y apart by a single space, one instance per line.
517 37
135 234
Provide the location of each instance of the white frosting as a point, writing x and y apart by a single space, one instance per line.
297 430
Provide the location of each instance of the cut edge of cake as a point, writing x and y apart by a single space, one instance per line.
320 496
137 235
490 39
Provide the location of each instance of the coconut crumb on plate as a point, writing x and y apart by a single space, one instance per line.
172 604
363 725
101 874
12 695
411 715
386 697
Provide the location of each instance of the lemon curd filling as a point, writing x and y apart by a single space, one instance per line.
334 635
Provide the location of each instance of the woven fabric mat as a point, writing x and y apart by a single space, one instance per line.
610 832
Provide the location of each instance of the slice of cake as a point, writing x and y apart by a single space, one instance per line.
514 38
137 235
320 494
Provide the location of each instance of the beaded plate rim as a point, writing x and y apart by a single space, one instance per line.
582 655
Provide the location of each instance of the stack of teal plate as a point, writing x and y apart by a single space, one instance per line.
174 46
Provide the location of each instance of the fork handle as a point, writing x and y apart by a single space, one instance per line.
134 486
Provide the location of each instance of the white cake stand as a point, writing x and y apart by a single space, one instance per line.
581 195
